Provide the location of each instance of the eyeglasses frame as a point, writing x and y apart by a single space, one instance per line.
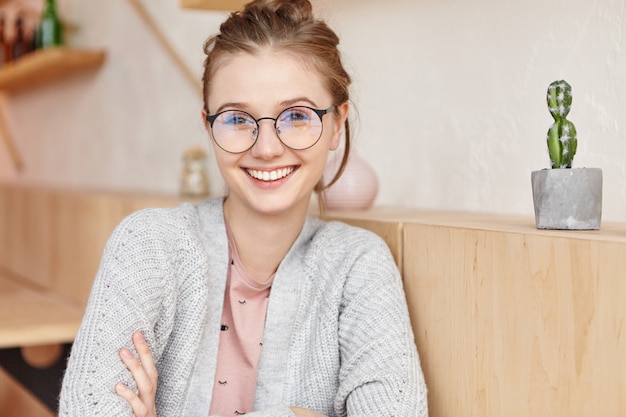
320 112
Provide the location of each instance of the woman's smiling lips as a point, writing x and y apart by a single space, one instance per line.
272 175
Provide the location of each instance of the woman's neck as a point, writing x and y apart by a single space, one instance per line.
262 240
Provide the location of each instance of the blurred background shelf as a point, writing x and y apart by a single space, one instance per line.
47 65
40 67
225 5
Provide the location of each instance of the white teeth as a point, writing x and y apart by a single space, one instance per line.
270 175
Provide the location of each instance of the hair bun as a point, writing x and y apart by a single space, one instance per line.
294 11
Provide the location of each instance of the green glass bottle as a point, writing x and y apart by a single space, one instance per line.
50 30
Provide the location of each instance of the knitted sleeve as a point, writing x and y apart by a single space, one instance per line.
134 289
380 373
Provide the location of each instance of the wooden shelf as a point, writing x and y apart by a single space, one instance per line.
225 5
43 318
47 65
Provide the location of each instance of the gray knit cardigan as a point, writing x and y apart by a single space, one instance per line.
337 334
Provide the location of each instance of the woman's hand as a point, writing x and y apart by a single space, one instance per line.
304 412
145 374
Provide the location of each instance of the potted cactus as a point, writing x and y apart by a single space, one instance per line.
564 197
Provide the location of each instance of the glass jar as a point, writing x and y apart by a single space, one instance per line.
195 176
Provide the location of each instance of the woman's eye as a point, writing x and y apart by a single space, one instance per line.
295 115
237 119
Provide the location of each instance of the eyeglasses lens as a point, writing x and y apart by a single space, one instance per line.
234 131
299 127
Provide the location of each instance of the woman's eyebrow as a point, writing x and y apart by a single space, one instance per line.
293 101
232 105
246 107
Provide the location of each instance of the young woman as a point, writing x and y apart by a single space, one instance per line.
245 304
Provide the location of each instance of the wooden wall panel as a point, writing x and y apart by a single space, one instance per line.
516 324
53 239
25 245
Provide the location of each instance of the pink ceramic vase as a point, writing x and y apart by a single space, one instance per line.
357 187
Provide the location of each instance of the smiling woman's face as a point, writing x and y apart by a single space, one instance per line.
269 177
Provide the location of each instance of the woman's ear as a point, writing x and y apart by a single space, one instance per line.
341 114
204 120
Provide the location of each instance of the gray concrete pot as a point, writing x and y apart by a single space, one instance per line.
568 198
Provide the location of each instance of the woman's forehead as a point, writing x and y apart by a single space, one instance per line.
269 76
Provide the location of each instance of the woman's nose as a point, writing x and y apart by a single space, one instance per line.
267 145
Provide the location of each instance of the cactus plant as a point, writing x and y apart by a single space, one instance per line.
562 141
565 199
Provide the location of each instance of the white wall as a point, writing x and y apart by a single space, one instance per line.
450 97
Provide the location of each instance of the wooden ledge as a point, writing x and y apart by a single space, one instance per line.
221 5
29 316
609 232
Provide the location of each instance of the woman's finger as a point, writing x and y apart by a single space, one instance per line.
144 373
145 356
138 407
134 366
305 412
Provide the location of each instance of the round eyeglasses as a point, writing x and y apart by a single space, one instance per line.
298 128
